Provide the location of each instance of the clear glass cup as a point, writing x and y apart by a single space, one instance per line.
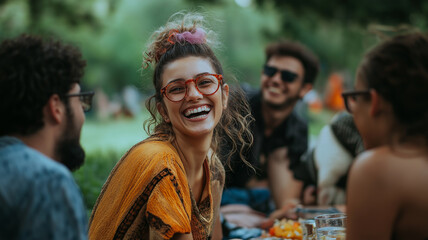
331 226
308 229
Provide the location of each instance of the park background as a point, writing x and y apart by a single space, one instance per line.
112 35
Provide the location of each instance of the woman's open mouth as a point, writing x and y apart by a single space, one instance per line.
199 112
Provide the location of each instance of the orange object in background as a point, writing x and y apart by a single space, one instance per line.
333 98
315 106
313 101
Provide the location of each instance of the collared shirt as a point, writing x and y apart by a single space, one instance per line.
39 198
291 133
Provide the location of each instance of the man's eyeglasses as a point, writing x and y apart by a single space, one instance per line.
286 76
206 84
85 99
350 98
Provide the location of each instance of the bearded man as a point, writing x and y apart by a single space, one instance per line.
42 110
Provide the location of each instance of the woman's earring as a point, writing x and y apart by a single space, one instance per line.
166 119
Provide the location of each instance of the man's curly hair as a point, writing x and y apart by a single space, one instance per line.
31 71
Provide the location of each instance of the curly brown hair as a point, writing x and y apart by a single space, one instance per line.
398 70
234 123
31 71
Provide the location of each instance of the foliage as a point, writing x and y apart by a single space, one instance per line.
92 175
354 11
70 13
338 31
113 36
360 12
105 142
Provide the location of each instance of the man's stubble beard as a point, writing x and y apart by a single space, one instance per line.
68 149
289 102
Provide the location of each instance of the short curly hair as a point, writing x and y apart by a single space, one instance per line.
31 71
308 59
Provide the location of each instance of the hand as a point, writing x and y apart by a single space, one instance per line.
341 207
309 195
288 211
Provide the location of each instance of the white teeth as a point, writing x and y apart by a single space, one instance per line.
274 90
197 110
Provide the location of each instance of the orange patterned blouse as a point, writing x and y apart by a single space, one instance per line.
147 196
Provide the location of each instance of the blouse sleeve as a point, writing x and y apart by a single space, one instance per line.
169 206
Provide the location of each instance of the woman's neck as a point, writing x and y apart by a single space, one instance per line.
193 152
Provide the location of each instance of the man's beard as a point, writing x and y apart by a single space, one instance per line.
289 102
68 149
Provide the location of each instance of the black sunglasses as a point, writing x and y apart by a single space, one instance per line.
286 76
85 99
349 97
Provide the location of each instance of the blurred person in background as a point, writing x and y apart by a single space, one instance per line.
169 186
387 191
325 167
42 115
280 138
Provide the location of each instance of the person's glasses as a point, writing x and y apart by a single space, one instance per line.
206 84
286 76
350 98
85 99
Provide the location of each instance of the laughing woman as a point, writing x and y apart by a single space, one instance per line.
170 185
388 184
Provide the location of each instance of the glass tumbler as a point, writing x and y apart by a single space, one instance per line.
331 226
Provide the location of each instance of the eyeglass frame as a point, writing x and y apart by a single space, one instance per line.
82 95
353 93
292 75
219 78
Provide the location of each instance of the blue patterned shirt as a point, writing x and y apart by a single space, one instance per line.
39 198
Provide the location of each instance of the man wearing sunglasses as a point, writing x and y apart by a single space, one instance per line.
280 135
42 110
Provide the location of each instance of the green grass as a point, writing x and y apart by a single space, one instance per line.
114 134
318 120
105 142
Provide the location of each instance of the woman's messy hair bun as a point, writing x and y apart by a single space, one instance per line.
181 28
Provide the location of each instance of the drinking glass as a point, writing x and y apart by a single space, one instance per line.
308 229
331 226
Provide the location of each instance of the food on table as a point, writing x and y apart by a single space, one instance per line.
286 229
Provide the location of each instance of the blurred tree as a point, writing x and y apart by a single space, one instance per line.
73 13
357 11
338 31
112 34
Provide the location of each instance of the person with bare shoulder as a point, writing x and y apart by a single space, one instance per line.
388 184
